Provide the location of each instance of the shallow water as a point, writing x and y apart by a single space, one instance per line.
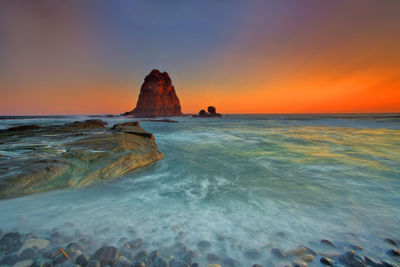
237 181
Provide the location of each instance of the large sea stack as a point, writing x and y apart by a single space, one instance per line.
157 97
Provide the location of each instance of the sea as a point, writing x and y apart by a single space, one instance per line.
243 183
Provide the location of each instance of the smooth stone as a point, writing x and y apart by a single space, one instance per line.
160 262
391 242
74 246
299 263
122 263
252 253
194 265
355 247
257 265
328 243
213 257
24 263
123 251
327 261
393 253
50 252
34 242
60 258
138 264
154 254
213 265
310 251
82 260
307 258
176 263
229 262
106 255
373 262
9 259
29 254
141 256
93 263
203 244
351 259
47 263
279 253
297 252
10 242
134 243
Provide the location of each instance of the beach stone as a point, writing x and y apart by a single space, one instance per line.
299 263
24 263
213 257
134 243
154 254
373 262
46 263
49 252
393 253
122 263
257 265
93 263
60 258
252 253
203 244
327 261
29 254
9 259
34 242
307 258
351 259
82 260
177 263
310 251
142 256
297 252
229 262
391 242
328 243
160 262
71 247
106 255
126 252
10 242
279 253
194 265
138 264
213 265
355 247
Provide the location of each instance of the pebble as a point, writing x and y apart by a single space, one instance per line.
327 261
310 251
299 263
106 255
160 262
203 244
307 258
122 263
71 247
34 242
297 252
25 263
154 254
257 265
93 263
142 256
138 264
194 265
213 265
349 258
134 243
279 253
393 252
10 242
29 254
355 247
327 242
229 262
82 260
213 257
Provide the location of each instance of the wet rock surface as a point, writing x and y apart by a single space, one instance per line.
75 155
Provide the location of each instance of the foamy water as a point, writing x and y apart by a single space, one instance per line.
236 182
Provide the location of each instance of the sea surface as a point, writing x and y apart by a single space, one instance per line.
239 182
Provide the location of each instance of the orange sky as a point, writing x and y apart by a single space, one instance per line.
261 58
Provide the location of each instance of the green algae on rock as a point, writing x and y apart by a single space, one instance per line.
77 154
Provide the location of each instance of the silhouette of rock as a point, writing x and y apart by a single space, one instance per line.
157 97
212 112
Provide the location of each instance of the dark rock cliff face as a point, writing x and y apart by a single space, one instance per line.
157 97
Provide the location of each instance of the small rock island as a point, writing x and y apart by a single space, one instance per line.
157 98
212 112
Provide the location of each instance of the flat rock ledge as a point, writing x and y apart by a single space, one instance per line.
43 158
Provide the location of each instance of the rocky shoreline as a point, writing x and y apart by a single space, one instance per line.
39 158
80 250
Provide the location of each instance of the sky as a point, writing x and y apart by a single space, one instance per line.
91 57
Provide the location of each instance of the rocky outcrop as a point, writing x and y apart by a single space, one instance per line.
157 97
212 112
76 154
